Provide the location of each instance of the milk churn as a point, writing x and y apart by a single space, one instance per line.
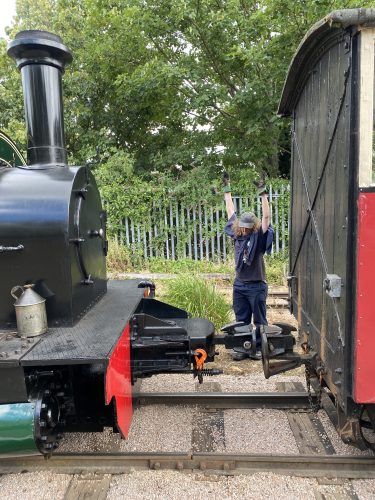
30 311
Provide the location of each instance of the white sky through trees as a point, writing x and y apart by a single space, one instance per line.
7 11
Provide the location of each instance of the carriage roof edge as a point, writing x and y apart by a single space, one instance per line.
331 25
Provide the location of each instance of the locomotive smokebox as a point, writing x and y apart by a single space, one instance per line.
41 58
52 225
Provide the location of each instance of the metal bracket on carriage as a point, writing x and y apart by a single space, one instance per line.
277 349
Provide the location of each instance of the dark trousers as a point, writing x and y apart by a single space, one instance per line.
249 302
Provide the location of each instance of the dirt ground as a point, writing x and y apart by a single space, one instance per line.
223 360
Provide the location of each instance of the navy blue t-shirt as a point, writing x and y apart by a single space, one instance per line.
250 269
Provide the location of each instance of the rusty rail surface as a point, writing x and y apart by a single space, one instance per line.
118 463
226 400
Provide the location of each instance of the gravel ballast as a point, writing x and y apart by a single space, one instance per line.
160 428
40 485
258 431
254 382
81 442
169 485
165 428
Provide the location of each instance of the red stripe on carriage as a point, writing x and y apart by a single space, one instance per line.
364 348
118 382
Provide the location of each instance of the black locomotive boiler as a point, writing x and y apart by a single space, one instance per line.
102 335
329 95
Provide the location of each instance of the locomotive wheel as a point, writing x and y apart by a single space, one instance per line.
47 421
367 429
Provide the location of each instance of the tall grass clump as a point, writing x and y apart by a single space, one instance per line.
119 257
276 266
199 298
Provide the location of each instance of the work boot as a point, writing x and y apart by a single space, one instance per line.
239 356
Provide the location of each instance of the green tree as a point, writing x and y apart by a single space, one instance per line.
177 84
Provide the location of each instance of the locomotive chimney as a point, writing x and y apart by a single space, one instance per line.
41 57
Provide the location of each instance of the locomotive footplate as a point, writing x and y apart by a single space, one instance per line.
94 336
13 347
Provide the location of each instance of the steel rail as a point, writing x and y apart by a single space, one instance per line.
271 400
118 463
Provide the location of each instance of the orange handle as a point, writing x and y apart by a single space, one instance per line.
200 357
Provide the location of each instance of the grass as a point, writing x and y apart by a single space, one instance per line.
276 266
160 265
121 259
199 297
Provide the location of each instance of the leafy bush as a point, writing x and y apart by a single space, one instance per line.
199 298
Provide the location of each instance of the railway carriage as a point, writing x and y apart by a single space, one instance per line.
329 96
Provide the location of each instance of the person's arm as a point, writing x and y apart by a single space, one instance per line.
265 213
227 194
229 204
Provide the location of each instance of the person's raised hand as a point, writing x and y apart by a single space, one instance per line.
226 182
261 186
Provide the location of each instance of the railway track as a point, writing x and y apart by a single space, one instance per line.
91 472
222 400
316 464
354 467
277 295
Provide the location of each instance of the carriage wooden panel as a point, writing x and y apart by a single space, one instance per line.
319 237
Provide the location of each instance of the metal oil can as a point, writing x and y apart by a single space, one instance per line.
31 313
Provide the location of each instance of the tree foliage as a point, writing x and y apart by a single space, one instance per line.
171 84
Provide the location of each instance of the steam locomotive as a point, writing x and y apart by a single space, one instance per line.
329 95
80 341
